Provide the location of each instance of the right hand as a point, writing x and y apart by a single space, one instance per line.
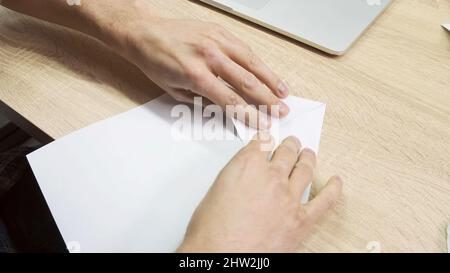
254 205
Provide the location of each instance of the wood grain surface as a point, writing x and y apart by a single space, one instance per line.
386 131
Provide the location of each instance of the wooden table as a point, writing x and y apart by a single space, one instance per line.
387 127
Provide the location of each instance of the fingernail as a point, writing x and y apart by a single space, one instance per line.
296 140
283 89
284 109
309 150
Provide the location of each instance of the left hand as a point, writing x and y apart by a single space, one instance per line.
254 204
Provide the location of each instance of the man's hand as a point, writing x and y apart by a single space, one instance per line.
184 57
254 205
189 58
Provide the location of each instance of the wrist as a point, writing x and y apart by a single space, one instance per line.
121 28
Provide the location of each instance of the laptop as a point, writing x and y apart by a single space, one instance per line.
329 25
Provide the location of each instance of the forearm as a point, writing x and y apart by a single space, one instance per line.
108 21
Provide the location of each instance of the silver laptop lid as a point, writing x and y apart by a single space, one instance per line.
330 25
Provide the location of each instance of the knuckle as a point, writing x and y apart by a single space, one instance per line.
232 99
249 82
252 59
196 76
192 72
289 149
278 168
207 49
305 170
273 174
285 156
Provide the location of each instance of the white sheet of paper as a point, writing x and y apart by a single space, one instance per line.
304 121
124 184
447 26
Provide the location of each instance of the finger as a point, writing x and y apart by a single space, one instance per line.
286 155
261 145
234 105
262 141
248 85
326 198
303 172
244 56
